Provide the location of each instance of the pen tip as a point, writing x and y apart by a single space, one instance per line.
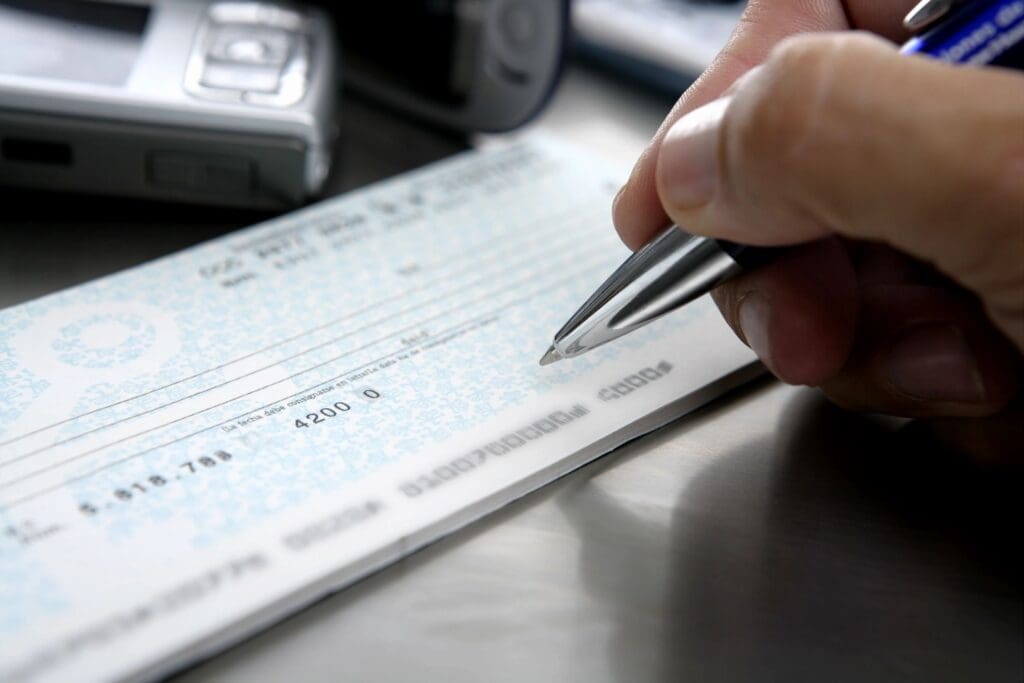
550 356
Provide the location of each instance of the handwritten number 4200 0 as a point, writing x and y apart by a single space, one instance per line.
333 410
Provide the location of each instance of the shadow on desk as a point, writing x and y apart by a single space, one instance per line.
834 550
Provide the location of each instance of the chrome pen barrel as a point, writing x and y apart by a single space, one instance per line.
670 271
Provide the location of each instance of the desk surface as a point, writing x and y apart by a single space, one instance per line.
769 536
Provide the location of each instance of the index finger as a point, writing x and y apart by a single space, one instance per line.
637 212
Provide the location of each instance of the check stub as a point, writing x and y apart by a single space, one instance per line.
199 446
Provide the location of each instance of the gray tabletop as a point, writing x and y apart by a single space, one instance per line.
768 537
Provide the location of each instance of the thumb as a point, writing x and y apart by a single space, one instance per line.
840 134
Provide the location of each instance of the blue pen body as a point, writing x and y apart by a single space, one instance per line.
978 32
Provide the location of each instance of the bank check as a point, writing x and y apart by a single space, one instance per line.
196 447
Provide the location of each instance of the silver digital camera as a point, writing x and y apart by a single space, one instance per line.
192 100
232 102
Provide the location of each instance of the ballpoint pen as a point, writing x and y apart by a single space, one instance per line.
676 268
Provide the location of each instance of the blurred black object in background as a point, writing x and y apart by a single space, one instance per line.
468 65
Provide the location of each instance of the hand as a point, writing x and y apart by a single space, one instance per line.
901 180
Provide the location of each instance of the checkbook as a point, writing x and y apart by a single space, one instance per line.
199 446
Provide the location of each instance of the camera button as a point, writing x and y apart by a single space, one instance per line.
266 47
241 77
247 50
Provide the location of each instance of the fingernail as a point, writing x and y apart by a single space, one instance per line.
934 363
688 159
754 316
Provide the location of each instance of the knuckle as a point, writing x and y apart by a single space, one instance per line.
790 122
785 116
771 117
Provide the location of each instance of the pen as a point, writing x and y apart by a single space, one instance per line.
676 268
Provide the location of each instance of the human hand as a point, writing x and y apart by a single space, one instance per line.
902 180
